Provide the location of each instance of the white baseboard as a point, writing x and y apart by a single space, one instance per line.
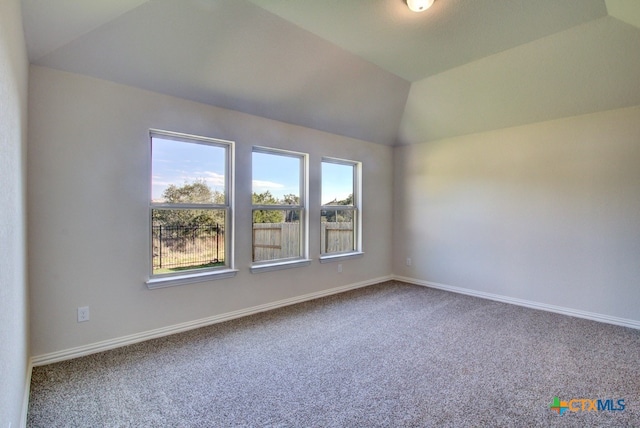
25 397
105 345
526 303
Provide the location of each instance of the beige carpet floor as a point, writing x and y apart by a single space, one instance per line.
389 355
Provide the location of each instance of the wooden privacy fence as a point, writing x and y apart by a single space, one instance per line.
275 241
336 237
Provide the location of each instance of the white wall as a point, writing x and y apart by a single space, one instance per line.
88 193
548 212
13 283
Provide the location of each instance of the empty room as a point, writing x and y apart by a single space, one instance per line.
319 213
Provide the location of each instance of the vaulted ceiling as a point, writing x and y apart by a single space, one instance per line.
367 69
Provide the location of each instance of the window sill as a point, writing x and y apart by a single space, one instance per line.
340 257
280 265
170 281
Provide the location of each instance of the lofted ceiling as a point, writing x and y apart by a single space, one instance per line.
449 34
367 69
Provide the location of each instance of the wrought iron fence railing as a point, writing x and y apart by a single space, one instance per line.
186 246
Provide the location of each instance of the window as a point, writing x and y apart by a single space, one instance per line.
340 211
278 209
190 207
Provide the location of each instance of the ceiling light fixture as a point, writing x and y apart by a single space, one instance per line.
419 5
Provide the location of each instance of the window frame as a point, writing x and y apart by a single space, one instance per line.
356 209
200 274
302 206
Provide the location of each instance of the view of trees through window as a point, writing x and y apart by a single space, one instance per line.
338 219
275 216
189 206
278 209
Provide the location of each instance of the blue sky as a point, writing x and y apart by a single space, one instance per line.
177 162
278 174
337 181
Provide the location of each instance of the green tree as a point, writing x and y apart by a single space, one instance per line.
266 216
197 192
291 216
336 215
346 201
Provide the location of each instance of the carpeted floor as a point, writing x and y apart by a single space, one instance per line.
392 355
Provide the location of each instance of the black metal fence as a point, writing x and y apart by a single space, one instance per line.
177 247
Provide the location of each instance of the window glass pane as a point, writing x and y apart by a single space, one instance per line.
337 231
187 172
187 239
276 234
337 184
276 179
339 228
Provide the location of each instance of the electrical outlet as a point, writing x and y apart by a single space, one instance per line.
409 261
340 268
83 313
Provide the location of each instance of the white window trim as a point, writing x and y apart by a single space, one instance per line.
170 281
206 274
270 267
303 260
357 207
341 256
